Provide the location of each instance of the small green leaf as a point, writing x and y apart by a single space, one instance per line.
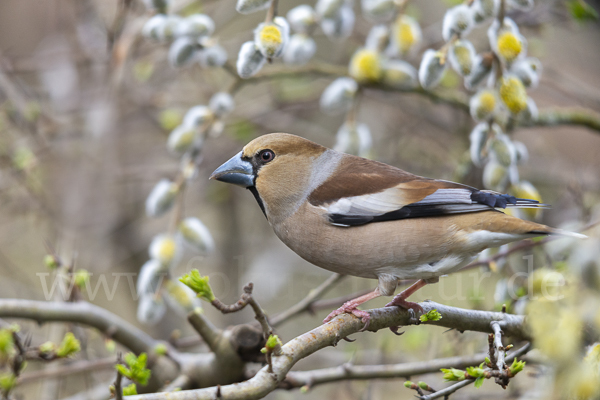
6 343
432 315
408 384
7 382
51 261
453 374
516 367
476 372
198 284
130 390
47 348
423 385
160 349
137 370
69 346
581 11
479 381
272 342
81 278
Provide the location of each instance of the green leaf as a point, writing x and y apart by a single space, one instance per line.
69 346
453 374
408 384
7 382
6 343
51 261
272 342
582 11
516 367
137 370
476 372
81 277
479 381
198 284
432 315
46 348
160 349
130 390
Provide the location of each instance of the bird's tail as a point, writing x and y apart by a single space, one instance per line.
559 232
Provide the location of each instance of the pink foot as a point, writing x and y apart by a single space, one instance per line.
399 301
350 308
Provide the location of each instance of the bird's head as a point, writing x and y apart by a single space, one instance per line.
277 168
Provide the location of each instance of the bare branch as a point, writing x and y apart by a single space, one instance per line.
312 378
70 369
500 355
209 333
331 333
459 385
182 382
549 117
568 116
84 313
306 303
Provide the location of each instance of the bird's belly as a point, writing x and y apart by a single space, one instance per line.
405 249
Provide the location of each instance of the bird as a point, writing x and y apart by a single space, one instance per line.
364 218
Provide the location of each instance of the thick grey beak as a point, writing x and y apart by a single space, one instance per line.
236 171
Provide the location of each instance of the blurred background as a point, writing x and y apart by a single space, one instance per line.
86 106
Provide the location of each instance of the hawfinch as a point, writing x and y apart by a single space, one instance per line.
364 218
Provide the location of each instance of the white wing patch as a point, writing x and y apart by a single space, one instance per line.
448 196
392 199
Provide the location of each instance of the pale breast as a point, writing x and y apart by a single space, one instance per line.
368 250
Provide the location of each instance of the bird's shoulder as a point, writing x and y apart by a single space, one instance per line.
357 176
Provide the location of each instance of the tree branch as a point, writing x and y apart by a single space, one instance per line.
84 313
70 369
306 303
331 333
453 388
569 116
460 100
209 333
312 378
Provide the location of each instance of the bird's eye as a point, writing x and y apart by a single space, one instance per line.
266 155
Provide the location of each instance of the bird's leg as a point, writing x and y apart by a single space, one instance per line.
400 299
351 307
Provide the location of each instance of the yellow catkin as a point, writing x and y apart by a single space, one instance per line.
167 249
270 38
487 102
463 56
365 66
405 35
509 46
513 94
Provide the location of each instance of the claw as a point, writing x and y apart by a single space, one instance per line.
349 340
394 330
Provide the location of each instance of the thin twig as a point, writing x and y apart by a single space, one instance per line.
182 382
500 360
71 369
306 303
312 378
209 333
459 385
81 312
118 389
